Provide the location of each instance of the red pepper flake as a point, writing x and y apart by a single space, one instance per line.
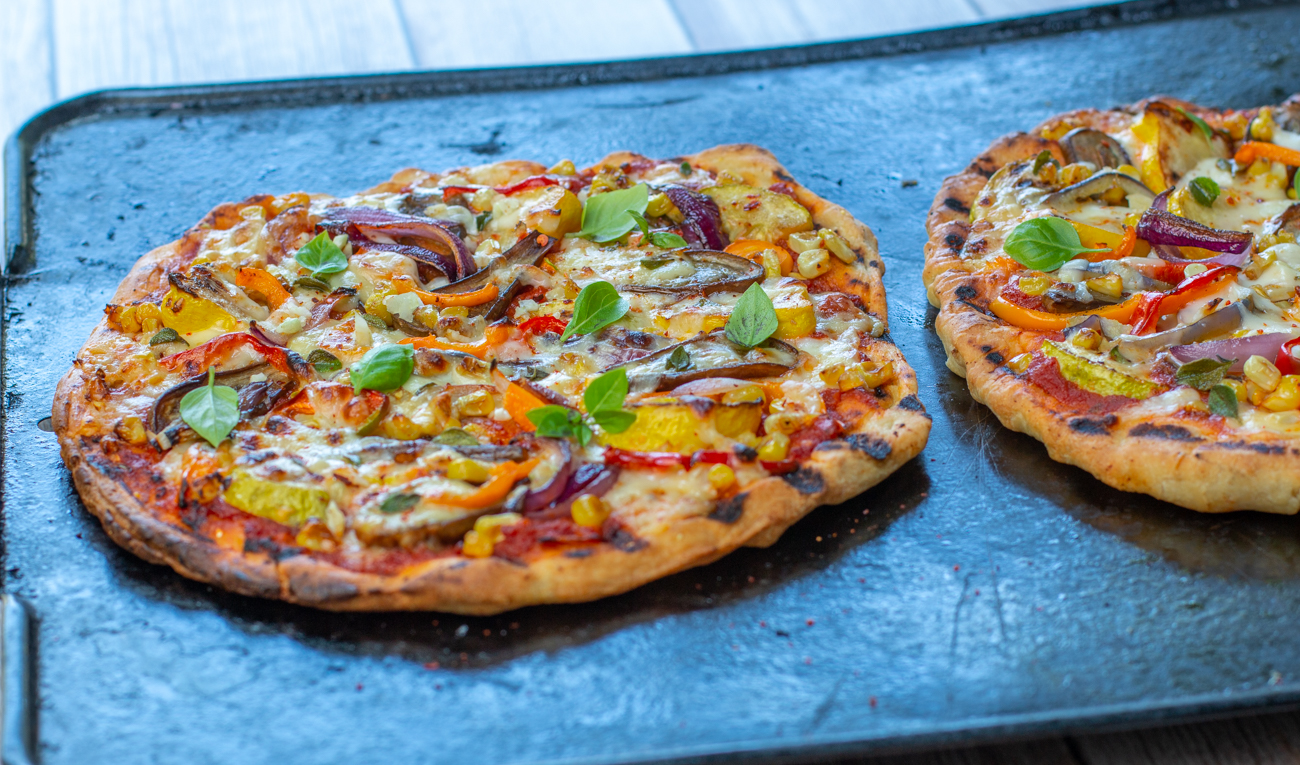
762 624
543 240
872 701
811 622
956 568
360 686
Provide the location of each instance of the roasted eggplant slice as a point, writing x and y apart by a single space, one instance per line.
699 272
205 285
1287 222
163 414
711 355
1071 198
1095 147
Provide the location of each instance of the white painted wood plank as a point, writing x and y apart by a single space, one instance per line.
455 33
730 24
109 43
25 82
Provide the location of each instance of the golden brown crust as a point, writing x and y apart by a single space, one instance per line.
1202 464
835 472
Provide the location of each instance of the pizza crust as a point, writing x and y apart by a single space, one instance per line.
1205 466
836 471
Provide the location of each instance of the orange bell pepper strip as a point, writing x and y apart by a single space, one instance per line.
519 401
503 478
1253 150
261 282
496 335
404 284
753 249
1045 321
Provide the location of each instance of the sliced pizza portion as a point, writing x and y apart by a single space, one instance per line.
1124 285
491 387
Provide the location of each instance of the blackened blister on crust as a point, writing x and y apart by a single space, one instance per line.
979 308
1166 432
954 241
626 540
876 448
995 357
955 204
966 292
911 403
1093 426
729 510
1257 448
807 480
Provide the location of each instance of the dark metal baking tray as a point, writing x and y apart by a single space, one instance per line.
989 592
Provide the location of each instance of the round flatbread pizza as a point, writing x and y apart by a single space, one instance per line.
491 387
1124 286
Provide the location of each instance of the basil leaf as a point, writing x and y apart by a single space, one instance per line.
685 168
581 432
374 321
321 256
384 368
482 219
1203 374
455 437
1223 401
598 306
1045 244
213 410
1043 158
753 320
325 362
398 503
552 421
1204 191
651 264
605 216
606 393
1204 127
311 283
641 222
615 421
165 335
679 359
667 240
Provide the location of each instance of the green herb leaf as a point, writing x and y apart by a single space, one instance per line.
614 422
1204 191
398 503
374 321
605 216
384 368
321 256
667 240
213 410
482 219
552 421
679 359
606 393
1223 401
165 335
685 168
1204 126
1043 158
641 222
311 283
325 362
753 320
1115 355
1203 374
1045 244
455 437
651 264
598 306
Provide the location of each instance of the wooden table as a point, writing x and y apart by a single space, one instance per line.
57 49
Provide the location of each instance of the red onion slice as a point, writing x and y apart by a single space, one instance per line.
702 223
443 263
1161 227
590 478
1172 254
536 499
370 222
267 336
1236 349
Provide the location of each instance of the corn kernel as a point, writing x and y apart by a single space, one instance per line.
1020 364
315 535
876 376
721 477
1261 128
659 206
1128 170
1261 371
1238 387
854 376
477 545
468 470
375 307
491 525
1286 397
838 247
746 394
563 167
771 264
131 430
1194 269
831 375
774 448
1254 393
1110 285
1035 285
1073 173
590 511
455 311
426 316
1259 261
1088 339
1260 167
813 263
476 404
783 422
401 427
804 241
738 420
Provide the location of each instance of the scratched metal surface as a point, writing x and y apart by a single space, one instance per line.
988 590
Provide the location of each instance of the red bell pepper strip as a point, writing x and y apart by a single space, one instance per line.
1187 291
616 456
1288 362
539 325
711 457
198 359
527 184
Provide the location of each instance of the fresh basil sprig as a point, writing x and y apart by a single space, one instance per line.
665 239
605 216
321 256
213 410
1223 401
398 503
1204 190
753 320
679 359
598 305
455 437
604 401
684 168
1201 124
1203 374
384 368
1045 244
1042 159
324 362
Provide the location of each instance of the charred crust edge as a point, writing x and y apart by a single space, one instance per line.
730 509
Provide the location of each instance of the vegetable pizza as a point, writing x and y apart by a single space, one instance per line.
490 387
1124 285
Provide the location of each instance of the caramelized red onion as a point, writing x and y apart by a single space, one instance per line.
267 336
553 490
1235 349
1171 254
1160 227
701 220
590 478
432 241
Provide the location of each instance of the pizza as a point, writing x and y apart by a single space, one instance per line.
1124 286
491 387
